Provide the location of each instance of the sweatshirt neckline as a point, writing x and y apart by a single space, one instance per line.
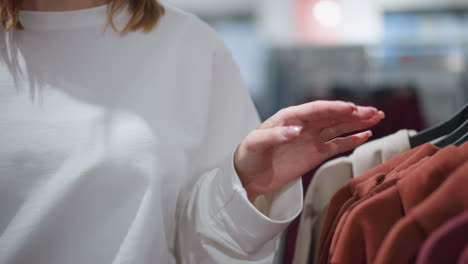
52 20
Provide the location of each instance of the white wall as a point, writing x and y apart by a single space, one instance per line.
361 21
415 4
275 21
232 6
362 18
215 7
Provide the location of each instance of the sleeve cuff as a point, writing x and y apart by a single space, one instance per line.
248 226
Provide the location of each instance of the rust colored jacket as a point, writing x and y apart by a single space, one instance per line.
347 195
369 222
405 239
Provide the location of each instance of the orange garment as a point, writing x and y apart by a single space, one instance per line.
404 239
345 196
366 191
370 221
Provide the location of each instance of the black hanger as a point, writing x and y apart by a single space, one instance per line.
462 140
453 137
441 129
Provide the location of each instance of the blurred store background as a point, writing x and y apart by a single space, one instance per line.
407 57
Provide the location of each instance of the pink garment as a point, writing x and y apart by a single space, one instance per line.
446 244
463 259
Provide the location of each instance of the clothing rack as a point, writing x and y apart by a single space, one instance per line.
370 206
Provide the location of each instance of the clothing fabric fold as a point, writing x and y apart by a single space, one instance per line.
344 197
330 177
377 217
447 243
119 149
404 240
371 220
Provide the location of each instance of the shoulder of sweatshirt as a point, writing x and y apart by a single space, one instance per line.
191 30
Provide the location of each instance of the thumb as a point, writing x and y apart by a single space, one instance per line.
261 139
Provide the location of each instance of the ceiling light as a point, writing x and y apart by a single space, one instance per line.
327 13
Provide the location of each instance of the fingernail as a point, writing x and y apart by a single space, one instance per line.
381 114
352 104
295 130
369 133
292 131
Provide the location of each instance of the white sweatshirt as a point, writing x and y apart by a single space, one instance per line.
119 149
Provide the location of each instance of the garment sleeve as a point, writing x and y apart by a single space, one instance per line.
217 223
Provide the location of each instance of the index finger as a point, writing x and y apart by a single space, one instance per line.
319 110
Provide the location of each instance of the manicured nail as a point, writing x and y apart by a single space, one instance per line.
381 114
369 133
292 131
352 104
295 130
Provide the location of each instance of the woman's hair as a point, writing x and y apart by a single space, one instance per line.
145 14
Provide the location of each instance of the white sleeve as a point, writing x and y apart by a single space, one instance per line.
218 224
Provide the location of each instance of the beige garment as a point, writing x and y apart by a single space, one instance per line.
330 177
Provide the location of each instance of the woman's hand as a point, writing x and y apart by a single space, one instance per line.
297 139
